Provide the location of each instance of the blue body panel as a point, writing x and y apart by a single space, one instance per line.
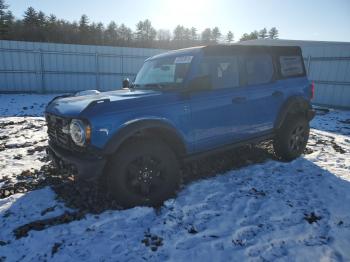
203 120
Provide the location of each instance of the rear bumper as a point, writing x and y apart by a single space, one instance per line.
83 166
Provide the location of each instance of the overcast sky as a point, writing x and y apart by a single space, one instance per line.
327 20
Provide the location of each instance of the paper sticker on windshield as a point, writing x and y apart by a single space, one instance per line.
183 59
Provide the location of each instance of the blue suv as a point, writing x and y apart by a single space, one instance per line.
182 104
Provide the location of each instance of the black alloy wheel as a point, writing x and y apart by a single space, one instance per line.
291 139
143 172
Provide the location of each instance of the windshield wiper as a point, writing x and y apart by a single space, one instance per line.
159 86
163 86
148 86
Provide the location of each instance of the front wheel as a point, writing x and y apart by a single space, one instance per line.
143 172
291 139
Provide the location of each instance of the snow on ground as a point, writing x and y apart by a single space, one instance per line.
23 105
270 211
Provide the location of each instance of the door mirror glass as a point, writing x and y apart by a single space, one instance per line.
201 83
126 83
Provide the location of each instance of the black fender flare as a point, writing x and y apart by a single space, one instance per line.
139 126
293 105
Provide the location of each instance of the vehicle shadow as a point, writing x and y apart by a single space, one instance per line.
92 196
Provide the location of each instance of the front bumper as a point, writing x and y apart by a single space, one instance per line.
311 114
83 166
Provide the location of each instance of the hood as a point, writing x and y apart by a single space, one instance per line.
73 106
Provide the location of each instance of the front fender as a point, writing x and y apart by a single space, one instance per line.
130 128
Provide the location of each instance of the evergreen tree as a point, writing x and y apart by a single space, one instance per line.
187 35
5 18
33 25
216 34
52 29
194 35
111 33
41 19
52 19
84 23
97 33
9 18
36 26
254 35
140 31
125 34
244 37
229 37
30 17
3 8
179 33
84 30
206 36
263 33
145 31
273 33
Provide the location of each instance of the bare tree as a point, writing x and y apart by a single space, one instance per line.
163 35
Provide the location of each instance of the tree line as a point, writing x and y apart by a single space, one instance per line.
38 27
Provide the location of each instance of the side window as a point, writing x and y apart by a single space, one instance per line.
291 66
259 69
164 73
224 71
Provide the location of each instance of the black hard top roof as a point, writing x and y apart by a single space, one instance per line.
227 49
221 49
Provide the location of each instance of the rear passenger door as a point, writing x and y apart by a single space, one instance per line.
260 97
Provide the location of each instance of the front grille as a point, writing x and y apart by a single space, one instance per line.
55 127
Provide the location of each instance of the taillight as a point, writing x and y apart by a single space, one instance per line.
312 89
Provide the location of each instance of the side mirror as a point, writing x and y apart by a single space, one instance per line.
200 83
126 83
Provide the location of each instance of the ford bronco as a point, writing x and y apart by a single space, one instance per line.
182 104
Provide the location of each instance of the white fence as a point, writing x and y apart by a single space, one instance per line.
57 68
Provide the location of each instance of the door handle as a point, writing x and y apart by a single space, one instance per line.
238 99
277 94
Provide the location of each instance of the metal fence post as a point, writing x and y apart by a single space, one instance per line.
42 71
122 66
97 72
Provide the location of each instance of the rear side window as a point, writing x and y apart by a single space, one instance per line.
224 70
291 66
259 69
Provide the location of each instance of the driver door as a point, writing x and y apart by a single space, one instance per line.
212 118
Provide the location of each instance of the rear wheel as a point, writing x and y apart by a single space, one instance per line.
292 137
143 172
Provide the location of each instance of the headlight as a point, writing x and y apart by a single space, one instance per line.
79 132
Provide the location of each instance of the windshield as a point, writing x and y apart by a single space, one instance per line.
163 72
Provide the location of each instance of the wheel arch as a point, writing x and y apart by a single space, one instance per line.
293 105
153 128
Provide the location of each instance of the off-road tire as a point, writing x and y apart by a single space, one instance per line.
138 161
291 139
